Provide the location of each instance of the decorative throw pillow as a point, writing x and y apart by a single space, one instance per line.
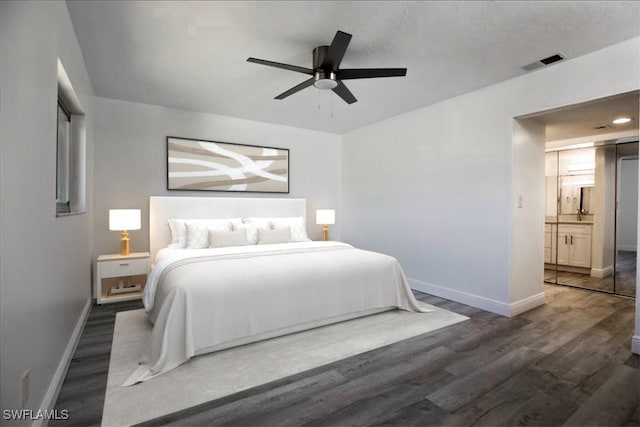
259 222
222 239
197 235
198 232
297 227
278 235
252 225
179 230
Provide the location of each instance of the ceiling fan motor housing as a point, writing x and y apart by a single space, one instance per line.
318 56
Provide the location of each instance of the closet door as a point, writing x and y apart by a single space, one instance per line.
626 219
551 217
586 223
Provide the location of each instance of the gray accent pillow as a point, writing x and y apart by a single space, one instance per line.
222 239
278 235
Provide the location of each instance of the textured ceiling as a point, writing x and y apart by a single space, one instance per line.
192 55
592 118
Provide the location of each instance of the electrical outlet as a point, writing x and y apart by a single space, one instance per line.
520 202
25 387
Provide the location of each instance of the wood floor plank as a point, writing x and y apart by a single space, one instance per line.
273 400
423 413
615 402
321 405
462 391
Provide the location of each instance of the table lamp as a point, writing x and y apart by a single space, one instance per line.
124 220
325 217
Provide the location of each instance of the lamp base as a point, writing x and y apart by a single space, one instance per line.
325 232
124 243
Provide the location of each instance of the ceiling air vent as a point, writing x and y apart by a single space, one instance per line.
545 61
600 127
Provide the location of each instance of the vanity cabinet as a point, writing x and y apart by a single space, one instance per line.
574 245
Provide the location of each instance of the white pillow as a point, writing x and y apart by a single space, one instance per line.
198 231
251 226
222 239
197 235
279 235
179 231
295 224
259 222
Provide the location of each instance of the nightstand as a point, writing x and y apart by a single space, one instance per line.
121 278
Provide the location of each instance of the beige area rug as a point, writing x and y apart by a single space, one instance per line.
219 374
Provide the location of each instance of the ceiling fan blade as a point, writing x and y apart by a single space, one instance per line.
344 93
297 88
336 51
369 73
302 70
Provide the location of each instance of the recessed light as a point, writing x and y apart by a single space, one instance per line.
621 120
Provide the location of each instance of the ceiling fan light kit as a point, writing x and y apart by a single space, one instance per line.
324 80
326 73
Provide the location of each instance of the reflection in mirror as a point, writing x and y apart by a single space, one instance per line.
576 195
586 199
627 231
551 216
585 226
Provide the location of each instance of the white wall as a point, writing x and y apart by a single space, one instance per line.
437 187
528 212
131 162
628 205
45 261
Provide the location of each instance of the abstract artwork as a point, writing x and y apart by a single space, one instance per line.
221 166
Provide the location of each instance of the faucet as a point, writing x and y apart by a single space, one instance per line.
581 212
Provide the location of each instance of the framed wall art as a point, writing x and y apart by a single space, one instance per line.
194 164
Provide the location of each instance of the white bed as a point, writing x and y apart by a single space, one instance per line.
204 300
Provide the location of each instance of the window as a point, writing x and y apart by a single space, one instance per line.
62 165
71 175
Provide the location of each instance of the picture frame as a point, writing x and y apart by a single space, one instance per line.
203 165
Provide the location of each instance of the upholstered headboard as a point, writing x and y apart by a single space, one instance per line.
161 209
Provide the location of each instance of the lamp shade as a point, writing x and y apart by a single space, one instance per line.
124 219
325 216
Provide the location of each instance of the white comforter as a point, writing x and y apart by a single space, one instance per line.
209 299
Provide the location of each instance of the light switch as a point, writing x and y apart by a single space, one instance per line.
520 202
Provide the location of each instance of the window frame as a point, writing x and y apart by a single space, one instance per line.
63 206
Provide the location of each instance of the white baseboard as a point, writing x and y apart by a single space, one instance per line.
487 304
526 304
602 272
51 396
635 344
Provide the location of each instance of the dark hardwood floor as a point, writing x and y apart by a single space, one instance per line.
83 390
565 363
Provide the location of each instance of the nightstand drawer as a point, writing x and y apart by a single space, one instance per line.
124 267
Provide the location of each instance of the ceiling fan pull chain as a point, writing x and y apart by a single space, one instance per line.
331 95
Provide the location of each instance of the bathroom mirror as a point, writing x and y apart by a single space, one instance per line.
586 199
576 193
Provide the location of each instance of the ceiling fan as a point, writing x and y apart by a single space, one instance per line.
326 72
